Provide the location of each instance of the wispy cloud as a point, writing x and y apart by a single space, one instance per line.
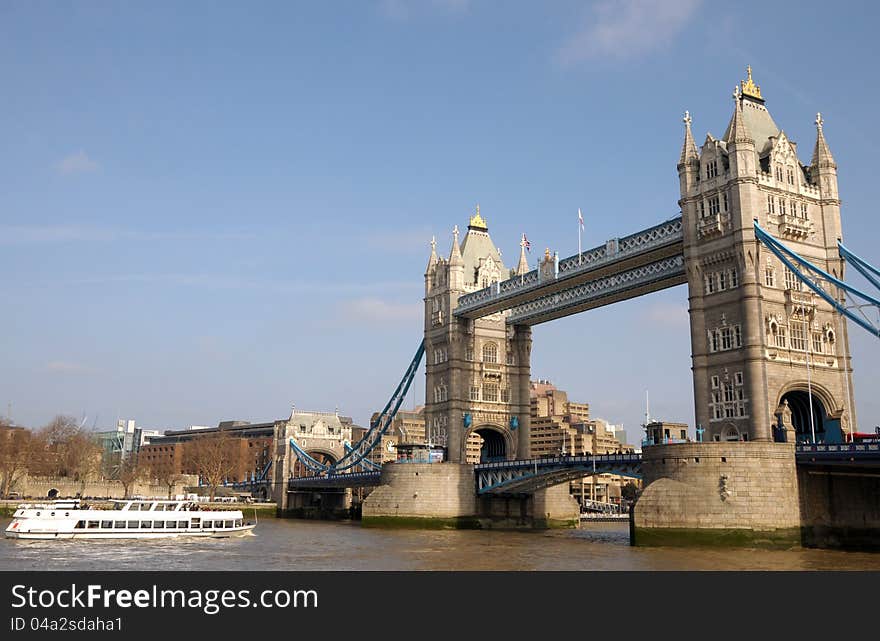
381 312
66 367
625 29
406 9
40 234
669 315
77 163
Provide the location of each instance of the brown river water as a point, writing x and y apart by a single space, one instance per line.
289 544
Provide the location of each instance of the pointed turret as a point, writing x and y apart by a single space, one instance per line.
738 132
455 254
823 169
523 265
689 148
432 259
821 154
456 264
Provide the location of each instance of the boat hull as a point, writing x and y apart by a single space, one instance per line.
217 534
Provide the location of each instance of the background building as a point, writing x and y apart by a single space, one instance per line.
560 426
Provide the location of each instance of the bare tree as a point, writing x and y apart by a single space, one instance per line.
82 458
213 457
129 472
16 455
70 451
50 451
165 475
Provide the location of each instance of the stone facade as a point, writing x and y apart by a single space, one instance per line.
477 373
717 491
762 344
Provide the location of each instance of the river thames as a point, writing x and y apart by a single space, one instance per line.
290 544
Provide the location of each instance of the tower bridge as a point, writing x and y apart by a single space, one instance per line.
758 244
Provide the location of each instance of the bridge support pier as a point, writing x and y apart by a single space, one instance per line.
735 493
443 495
323 504
839 507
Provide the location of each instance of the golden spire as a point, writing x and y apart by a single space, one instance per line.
477 221
749 88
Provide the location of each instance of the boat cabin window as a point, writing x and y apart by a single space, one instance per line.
119 524
160 507
80 525
93 524
107 524
146 525
158 524
228 523
132 524
208 524
182 524
171 524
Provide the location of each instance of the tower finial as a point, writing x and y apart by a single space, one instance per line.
478 222
687 118
749 88
433 244
819 121
455 233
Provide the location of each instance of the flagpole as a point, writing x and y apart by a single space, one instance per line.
580 229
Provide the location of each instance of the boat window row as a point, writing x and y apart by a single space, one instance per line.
148 506
156 525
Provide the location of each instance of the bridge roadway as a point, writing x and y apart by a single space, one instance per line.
527 476
622 268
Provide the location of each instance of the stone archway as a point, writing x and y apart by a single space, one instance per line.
806 413
495 444
297 468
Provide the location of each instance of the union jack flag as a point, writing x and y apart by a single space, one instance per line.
526 243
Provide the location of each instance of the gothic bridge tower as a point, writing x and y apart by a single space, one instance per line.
477 373
767 353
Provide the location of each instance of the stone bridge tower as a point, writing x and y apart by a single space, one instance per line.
769 356
477 372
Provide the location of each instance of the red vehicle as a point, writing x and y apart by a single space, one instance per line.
866 437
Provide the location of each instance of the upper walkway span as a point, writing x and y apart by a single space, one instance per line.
622 268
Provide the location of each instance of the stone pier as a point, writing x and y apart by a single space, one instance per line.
442 495
738 493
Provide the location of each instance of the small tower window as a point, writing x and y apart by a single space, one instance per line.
490 353
771 204
726 203
710 283
712 169
804 210
714 206
769 277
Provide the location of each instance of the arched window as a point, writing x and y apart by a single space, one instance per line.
490 353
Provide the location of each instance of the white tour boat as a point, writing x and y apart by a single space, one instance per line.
129 519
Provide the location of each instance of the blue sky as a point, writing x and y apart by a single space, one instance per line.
213 210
